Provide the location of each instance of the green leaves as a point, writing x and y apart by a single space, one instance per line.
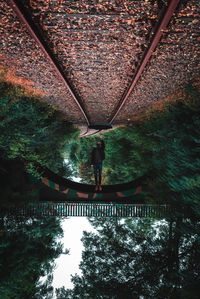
131 258
27 252
32 130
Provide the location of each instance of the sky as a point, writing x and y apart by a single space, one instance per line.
66 265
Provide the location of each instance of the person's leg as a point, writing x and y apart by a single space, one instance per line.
100 171
95 173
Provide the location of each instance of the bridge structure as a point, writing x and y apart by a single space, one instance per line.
52 187
60 197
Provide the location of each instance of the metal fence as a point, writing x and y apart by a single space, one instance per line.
88 209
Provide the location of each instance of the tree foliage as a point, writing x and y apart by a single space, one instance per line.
138 258
28 247
165 147
32 130
145 258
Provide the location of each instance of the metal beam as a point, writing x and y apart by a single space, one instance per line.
41 43
163 24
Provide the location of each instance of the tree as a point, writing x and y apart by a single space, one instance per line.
33 131
28 247
138 258
176 161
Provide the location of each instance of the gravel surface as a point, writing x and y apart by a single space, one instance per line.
99 45
175 62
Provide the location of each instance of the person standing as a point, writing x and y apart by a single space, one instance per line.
97 158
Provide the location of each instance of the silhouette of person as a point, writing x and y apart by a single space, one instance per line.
97 158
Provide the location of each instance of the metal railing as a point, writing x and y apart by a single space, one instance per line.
87 210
